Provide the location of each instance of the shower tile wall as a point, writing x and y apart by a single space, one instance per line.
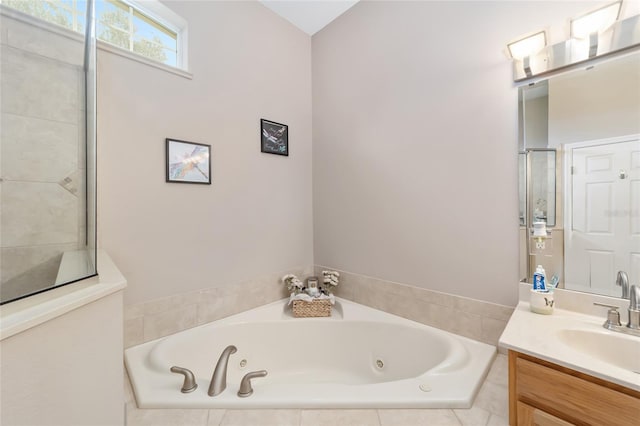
41 159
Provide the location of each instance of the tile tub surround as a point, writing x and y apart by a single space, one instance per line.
490 408
161 317
475 319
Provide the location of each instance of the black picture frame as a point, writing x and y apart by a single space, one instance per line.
187 162
274 137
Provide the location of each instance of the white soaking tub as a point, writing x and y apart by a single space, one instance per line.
358 358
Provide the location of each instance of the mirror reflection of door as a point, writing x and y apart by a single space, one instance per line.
602 229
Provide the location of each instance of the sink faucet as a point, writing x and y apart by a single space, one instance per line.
613 316
634 308
219 378
622 280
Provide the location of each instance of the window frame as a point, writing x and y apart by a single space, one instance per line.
151 9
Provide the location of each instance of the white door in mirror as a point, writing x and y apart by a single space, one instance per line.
602 235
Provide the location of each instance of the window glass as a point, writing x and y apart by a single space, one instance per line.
153 40
112 23
117 23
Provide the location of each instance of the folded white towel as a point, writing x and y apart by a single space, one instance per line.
307 298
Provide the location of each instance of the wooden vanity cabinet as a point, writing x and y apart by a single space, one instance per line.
545 394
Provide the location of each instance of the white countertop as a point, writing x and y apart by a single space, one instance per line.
539 336
18 316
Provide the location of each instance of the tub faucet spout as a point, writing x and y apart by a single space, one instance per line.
219 378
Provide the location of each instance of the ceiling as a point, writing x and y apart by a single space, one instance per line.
309 15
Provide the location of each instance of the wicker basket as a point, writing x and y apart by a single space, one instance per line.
317 308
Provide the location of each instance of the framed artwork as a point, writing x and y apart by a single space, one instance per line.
274 137
188 162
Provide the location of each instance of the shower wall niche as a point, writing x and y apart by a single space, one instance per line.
47 154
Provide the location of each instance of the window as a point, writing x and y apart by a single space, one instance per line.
150 30
125 26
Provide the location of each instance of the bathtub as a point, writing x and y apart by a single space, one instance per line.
358 358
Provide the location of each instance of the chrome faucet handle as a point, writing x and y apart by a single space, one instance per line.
189 384
613 316
606 306
245 385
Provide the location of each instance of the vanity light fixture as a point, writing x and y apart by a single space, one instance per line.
594 23
594 35
523 48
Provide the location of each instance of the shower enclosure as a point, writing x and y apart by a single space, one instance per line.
47 145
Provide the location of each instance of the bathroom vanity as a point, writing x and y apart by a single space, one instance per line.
566 369
543 393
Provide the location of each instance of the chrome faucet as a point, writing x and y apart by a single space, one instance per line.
613 316
634 308
622 280
219 378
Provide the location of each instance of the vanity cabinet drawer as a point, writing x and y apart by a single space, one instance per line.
528 415
565 395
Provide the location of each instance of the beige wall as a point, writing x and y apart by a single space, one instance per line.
66 371
256 217
415 141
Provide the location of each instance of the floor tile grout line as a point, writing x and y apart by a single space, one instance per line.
456 415
224 415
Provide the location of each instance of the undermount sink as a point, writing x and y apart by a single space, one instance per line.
620 350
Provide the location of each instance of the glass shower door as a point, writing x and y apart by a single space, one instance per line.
47 147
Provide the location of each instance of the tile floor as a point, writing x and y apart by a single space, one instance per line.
489 409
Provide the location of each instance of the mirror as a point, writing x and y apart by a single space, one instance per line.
47 146
579 160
